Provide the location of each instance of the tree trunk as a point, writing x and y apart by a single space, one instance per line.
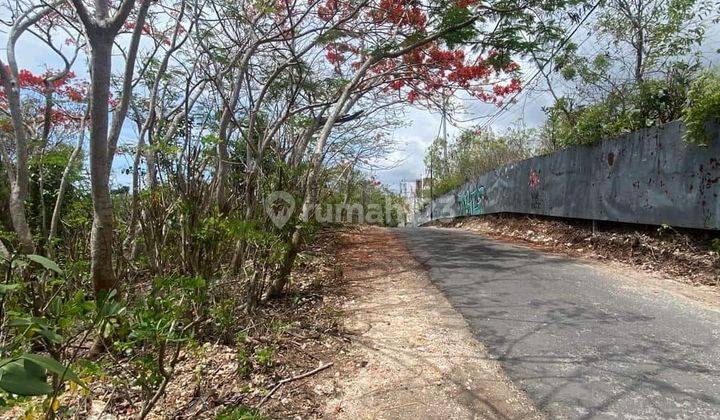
222 147
101 238
639 58
220 193
19 221
64 181
343 103
278 284
101 32
311 187
221 174
18 176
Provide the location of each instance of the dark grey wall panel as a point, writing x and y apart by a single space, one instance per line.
650 176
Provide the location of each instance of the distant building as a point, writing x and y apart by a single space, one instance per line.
412 197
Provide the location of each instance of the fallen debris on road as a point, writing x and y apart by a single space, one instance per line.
683 254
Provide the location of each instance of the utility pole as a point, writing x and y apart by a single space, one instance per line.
431 187
402 199
444 130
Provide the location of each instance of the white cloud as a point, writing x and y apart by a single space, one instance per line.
424 126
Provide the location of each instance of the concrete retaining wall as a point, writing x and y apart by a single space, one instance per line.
650 176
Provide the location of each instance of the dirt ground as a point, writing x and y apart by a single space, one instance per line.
412 356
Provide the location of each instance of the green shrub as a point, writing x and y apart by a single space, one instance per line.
703 105
240 413
591 123
22 371
224 317
244 365
660 101
628 108
265 357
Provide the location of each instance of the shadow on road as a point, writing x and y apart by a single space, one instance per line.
576 340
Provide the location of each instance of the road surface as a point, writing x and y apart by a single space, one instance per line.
581 342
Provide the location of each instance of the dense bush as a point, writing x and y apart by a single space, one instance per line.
585 125
649 103
703 105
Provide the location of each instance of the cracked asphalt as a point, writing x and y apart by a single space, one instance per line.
580 341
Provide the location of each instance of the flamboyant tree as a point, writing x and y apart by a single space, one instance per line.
398 45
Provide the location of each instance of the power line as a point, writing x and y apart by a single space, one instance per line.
494 117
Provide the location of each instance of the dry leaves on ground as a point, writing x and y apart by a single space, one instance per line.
684 254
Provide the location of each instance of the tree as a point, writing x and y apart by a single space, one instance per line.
474 152
102 29
18 175
655 31
637 76
24 97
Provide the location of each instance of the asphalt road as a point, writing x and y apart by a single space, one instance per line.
580 342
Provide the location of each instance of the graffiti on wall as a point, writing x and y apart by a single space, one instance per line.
649 177
472 202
